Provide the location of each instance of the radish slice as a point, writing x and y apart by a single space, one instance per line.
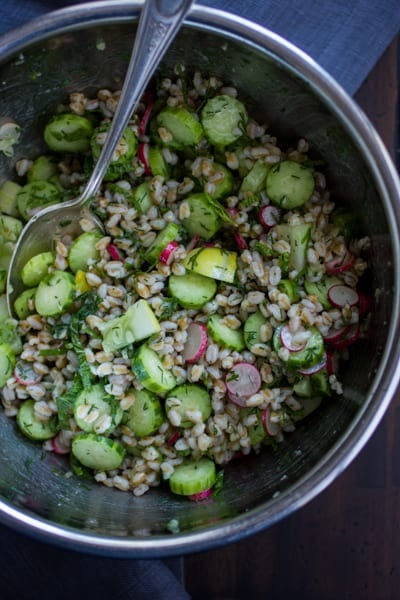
59 446
201 495
294 342
143 156
168 253
269 216
342 295
241 242
196 342
339 264
193 243
332 362
270 427
315 368
114 252
242 381
348 336
25 374
145 119
334 335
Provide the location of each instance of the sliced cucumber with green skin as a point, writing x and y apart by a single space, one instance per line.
224 186
192 397
43 168
8 198
35 196
252 327
224 335
6 251
224 120
164 237
97 451
193 477
213 262
204 219
290 184
10 228
150 372
298 236
22 303
121 162
92 406
31 426
146 415
9 335
310 355
320 289
7 362
138 323
55 293
290 288
157 163
36 268
192 290
82 252
141 198
183 126
68 133
254 181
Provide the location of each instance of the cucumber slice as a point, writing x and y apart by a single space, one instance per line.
82 252
192 397
320 289
184 128
139 322
205 216
7 362
255 180
36 268
150 372
93 406
224 335
31 426
251 329
157 163
141 198
9 335
69 133
212 262
167 235
224 120
121 162
192 290
146 415
6 250
4 314
10 228
8 198
310 355
298 236
42 169
54 294
290 184
36 195
290 288
97 451
193 477
22 302
223 186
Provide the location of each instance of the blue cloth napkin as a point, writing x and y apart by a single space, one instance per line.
346 37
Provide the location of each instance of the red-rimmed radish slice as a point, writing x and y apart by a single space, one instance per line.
196 342
342 295
241 242
339 264
25 374
167 253
174 438
59 447
193 243
335 335
269 216
270 427
343 337
364 304
314 368
143 156
145 119
294 342
242 381
201 495
114 252
332 362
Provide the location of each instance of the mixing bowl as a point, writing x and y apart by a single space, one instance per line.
86 47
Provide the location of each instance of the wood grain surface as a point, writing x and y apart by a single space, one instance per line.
345 544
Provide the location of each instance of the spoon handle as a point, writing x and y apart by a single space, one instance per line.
159 20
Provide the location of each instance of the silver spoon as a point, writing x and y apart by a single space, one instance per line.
158 23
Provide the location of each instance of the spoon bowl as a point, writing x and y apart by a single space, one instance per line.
158 24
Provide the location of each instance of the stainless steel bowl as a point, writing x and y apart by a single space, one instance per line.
87 47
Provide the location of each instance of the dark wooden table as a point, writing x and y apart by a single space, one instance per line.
345 544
